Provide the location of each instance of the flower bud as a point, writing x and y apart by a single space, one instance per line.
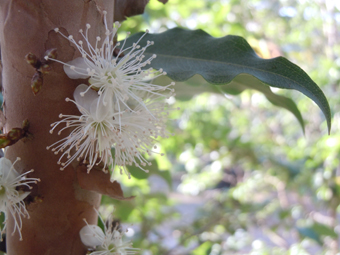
36 82
4 141
15 134
51 53
32 60
38 199
25 125
44 68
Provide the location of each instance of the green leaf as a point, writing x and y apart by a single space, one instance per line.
203 249
310 233
244 81
188 89
183 53
101 224
196 85
324 230
138 173
123 209
283 214
166 175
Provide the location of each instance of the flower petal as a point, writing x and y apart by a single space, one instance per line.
91 235
86 100
3 205
22 196
5 169
5 165
99 110
11 199
79 71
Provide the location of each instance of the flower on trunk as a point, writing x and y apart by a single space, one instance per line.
120 108
131 131
12 198
93 132
123 75
137 131
107 242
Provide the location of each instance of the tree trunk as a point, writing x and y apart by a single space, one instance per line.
58 203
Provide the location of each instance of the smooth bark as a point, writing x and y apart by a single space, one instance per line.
58 204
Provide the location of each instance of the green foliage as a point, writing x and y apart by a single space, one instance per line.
197 85
317 231
137 173
203 249
310 233
244 178
184 53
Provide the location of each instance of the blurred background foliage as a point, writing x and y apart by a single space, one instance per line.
239 176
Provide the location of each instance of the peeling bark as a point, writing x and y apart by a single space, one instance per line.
99 181
59 203
128 8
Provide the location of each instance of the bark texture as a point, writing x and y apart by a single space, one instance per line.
128 8
99 181
58 204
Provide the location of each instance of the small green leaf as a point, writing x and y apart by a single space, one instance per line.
101 224
310 233
203 249
166 175
138 173
183 53
324 230
124 210
283 214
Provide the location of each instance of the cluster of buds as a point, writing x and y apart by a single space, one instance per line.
14 135
42 66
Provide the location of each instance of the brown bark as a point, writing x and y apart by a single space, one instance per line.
128 8
27 26
99 181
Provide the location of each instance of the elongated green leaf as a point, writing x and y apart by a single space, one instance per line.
203 249
324 230
310 233
196 85
153 169
183 53
244 81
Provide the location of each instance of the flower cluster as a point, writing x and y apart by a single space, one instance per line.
107 242
12 198
120 107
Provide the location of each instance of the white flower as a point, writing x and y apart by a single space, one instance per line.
92 136
137 131
108 242
11 199
120 108
99 129
121 76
